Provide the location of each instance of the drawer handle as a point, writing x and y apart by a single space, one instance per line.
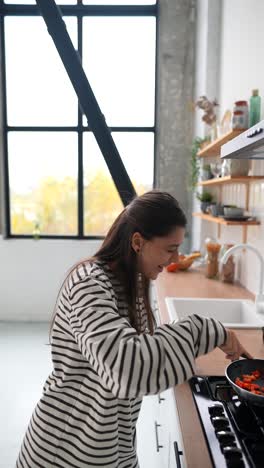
177 454
163 399
158 446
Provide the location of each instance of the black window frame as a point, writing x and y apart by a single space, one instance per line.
78 11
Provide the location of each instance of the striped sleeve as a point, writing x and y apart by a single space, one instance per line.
133 365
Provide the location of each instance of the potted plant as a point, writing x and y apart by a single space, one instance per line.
206 199
195 163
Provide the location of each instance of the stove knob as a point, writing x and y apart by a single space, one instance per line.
235 463
220 422
216 410
232 454
225 437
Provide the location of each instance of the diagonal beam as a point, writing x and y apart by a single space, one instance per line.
87 101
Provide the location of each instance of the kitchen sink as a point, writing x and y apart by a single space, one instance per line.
233 313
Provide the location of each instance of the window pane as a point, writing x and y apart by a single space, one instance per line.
39 91
137 153
102 203
33 2
119 2
43 182
25 2
119 60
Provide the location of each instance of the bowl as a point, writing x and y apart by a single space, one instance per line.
185 261
234 211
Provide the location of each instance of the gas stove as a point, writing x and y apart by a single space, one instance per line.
234 429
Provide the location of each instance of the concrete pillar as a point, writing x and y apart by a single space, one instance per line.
175 53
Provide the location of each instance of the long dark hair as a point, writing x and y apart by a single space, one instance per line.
153 214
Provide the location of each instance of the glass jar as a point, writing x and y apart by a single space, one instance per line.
213 249
227 273
240 115
225 171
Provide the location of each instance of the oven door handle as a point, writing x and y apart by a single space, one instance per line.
177 454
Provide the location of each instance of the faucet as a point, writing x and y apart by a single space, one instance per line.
259 299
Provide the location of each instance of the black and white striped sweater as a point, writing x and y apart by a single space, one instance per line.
102 369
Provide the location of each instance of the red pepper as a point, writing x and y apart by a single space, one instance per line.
173 267
247 377
255 387
246 382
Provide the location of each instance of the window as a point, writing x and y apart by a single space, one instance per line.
57 179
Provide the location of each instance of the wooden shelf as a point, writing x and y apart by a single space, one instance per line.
219 220
213 149
230 180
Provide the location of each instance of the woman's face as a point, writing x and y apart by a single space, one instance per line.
157 253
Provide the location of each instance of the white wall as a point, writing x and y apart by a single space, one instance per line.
241 69
241 59
31 272
242 48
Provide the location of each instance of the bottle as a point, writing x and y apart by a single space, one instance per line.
254 108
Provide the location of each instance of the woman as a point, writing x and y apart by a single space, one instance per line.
107 352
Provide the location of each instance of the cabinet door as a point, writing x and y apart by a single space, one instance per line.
168 416
148 434
159 441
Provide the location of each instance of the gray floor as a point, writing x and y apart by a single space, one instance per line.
25 364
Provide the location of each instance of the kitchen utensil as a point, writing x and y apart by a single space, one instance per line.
233 211
246 366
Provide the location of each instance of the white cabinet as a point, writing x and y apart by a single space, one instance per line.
171 439
147 450
158 428
157 432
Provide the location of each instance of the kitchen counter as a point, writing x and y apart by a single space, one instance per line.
193 283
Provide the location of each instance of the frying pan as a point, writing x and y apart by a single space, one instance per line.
246 366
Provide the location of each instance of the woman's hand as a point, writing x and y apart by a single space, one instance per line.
233 348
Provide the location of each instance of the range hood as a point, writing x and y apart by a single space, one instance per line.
247 145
